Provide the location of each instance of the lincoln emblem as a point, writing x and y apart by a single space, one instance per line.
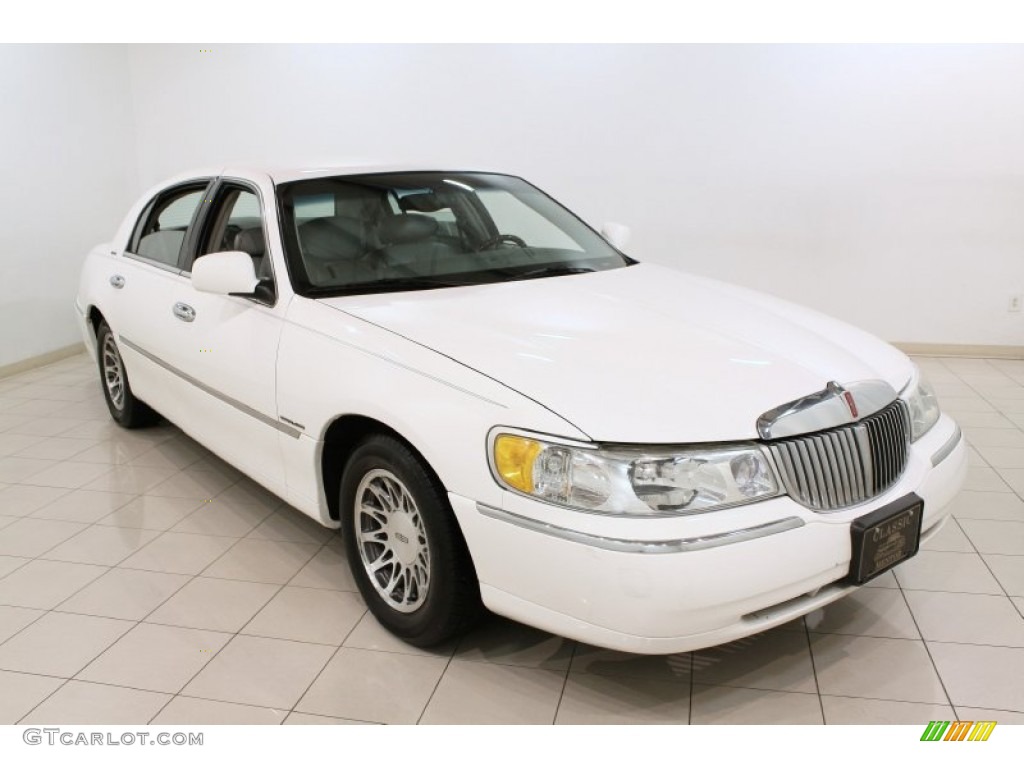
850 403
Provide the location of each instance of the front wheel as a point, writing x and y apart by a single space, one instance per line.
404 546
124 407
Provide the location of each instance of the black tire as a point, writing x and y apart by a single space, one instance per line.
126 409
450 603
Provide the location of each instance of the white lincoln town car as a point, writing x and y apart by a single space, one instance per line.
500 409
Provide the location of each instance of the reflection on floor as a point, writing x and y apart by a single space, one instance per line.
144 580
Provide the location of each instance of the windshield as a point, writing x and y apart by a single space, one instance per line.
411 231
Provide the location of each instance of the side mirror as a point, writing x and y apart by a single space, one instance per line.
228 272
616 234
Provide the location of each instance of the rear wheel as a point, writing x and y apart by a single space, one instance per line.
124 407
404 546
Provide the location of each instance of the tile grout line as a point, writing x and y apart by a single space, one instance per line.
693 674
928 650
233 634
433 692
327 663
814 671
565 682
110 568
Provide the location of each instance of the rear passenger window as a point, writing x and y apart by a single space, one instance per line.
161 236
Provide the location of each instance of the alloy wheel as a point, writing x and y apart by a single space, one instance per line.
392 541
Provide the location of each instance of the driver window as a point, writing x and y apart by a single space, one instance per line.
236 224
236 216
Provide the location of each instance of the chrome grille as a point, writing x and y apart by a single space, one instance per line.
847 465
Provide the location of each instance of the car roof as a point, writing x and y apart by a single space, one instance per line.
279 175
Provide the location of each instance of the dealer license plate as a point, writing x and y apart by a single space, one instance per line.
885 538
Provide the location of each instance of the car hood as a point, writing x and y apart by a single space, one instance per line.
643 354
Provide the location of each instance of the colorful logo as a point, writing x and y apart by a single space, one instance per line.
958 730
850 403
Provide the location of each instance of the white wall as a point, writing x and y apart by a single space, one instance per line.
67 167
882 184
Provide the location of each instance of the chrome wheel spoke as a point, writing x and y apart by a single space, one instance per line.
113 372
378 536
392 541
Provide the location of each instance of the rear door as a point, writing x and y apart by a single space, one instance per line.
141 285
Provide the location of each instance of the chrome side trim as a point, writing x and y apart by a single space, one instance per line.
670 547
173 269
833 406
270 422
948 447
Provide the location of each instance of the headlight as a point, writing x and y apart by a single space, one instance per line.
924 408
637 481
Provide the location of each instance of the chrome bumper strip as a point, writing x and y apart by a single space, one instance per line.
948 447
270 422
669 547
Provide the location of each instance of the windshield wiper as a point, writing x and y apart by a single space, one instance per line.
383 286
552 270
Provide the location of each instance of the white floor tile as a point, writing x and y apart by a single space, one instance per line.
261 672
962 618
185 710
375 687
981 676
1009 570
875 668
80 703
30 537
308 615
83 506
608 700
989 536
742 706
843 710
274 562
155 658
22 693
179 553
777 660
13 620
218 604
466 694
501 641
124 594
46 583
60 644
102 545
947 572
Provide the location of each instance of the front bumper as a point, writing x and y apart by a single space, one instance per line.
672 585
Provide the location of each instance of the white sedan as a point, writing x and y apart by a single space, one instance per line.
500 409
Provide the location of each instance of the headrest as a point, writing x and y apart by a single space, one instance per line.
424 202
251 241
406 228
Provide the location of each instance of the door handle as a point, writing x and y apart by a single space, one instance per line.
117 281
184 312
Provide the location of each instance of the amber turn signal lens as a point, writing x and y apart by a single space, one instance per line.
513 458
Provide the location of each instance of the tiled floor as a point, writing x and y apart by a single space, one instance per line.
143 580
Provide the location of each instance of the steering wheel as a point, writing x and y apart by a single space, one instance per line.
493 241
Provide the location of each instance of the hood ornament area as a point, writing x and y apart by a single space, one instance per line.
833 406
